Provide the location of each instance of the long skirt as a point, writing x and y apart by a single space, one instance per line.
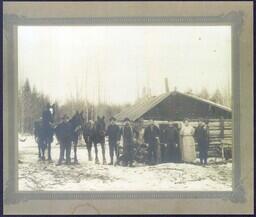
188 149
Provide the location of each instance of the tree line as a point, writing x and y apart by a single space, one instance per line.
31 104
218 96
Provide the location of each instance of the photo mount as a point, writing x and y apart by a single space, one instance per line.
11 22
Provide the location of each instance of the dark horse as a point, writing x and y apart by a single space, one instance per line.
67 133
94 135
44 138
88 133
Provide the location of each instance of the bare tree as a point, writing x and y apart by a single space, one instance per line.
217 97
204 93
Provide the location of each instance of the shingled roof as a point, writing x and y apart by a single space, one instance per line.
137 110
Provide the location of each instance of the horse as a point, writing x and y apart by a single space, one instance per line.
76 133
38 134
88 133
97 135
44 137
67 133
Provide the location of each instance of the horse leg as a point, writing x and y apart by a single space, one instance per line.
96 153
43 152
49 151
103 152
39 151
89 149
43 149
75 151
68 150
61 153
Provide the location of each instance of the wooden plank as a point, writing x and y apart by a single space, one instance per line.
216 124
227 132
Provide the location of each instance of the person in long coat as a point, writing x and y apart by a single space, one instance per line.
114 134
172 141
151 137
188 150
128 143
202 137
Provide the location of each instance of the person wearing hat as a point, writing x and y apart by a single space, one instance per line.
113 133
128 140
151 137
202 138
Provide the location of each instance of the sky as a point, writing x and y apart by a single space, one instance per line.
112 64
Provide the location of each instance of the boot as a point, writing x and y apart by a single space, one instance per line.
90 157
59 163
111 161
97 161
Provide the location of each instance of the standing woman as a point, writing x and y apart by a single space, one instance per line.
188 149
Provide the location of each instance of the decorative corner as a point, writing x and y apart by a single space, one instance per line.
238 194
13 18
7 193
10 196
236 18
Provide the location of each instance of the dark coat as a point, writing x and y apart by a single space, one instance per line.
172 153
64 132
88 134
202 137
113 133
150 134
47 117
128 135
171 135
99 130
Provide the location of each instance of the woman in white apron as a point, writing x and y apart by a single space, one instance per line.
188 149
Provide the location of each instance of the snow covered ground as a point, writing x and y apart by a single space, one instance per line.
37 175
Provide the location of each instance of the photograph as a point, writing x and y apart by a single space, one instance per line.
124 108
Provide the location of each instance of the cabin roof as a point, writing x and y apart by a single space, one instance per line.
137 110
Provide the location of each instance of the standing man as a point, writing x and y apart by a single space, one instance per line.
113 133
202 137
128 137
172 141
151 137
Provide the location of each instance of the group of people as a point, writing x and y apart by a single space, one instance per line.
170 144
166 143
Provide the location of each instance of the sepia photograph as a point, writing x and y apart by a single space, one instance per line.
124 108
127 108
